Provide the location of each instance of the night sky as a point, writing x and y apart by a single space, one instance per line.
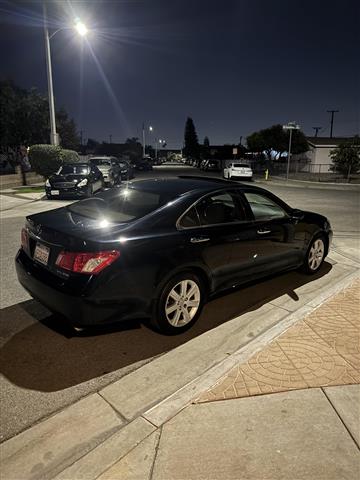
234 66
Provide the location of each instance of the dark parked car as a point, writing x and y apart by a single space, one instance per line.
159 248
74 180
126 170
211 165
110 169
144 164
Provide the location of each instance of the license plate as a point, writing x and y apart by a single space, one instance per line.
55 192
41 253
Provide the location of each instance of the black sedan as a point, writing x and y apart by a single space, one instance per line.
159 248
74 180
126 170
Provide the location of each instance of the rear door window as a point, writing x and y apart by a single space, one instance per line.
220 208
263 207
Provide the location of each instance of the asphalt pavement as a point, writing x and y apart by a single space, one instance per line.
39 353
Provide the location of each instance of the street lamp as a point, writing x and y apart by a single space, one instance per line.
143 137
82 31
290 126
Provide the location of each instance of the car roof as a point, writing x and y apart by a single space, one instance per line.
187 183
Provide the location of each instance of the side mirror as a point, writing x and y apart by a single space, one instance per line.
297 214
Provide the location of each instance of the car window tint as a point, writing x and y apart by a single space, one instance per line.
220 208
264 207
190 219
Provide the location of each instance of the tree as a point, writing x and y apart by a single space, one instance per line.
132 140
69 137
206 142
24 118
346 157
191 143
274 142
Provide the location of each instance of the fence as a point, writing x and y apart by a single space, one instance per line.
300 170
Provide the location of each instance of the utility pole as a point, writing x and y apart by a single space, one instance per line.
332 120
81 137
143 138
54 138
316 130
110 137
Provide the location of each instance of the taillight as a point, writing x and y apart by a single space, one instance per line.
24 238
89 263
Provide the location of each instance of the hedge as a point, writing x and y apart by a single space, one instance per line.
47 159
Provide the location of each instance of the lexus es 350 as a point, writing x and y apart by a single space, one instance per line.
159 248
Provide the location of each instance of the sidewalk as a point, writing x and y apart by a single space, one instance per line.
281 181
290 411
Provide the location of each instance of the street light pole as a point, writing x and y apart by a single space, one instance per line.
54 138
290 126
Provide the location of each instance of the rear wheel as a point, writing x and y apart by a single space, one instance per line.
315 255
179 305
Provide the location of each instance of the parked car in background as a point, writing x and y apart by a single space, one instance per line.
143 165
109 167
74 180
212 165
161 247
238 170
126 169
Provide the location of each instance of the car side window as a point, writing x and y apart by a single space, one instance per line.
220 208
263 207
190 219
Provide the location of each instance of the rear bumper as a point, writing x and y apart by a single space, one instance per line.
82 307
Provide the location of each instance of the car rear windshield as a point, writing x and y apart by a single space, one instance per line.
73 169
125 205
100 161
241 165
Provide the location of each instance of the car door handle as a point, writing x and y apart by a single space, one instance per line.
199 239
263 232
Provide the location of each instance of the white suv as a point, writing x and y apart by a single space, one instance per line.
238 170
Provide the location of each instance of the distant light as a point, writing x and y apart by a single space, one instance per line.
151 128
81 29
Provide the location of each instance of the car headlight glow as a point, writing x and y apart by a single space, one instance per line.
47 183
82 183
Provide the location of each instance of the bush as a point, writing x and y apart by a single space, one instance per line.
69 156
47 159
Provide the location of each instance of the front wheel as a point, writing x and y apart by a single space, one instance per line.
179 304
315 255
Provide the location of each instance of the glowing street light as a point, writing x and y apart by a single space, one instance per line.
82 31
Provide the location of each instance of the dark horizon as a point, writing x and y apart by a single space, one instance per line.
233 67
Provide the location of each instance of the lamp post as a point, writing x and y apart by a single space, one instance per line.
290 126
82 31
144 137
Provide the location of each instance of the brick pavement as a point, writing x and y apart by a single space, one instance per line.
321 350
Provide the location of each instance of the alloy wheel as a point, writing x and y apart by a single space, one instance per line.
316 254
182 303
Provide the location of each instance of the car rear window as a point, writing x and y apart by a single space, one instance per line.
125 205
100 161
241 165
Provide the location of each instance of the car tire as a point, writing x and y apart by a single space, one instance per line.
48 196
169 314
315 255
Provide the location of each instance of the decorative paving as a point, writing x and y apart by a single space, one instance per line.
319 351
